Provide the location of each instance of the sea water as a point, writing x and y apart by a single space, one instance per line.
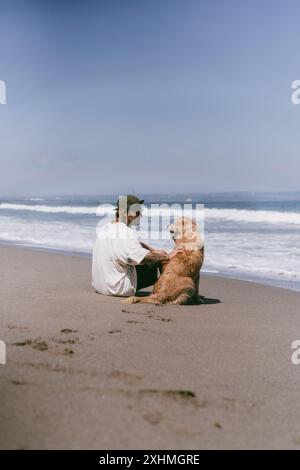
247 236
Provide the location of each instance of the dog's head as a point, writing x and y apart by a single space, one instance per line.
185 232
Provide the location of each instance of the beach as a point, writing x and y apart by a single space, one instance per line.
85 371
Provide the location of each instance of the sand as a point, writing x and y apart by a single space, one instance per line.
85 371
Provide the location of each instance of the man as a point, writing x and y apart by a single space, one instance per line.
121 264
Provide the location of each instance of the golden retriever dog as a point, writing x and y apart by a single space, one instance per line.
179 281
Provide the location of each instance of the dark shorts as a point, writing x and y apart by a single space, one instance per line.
146 275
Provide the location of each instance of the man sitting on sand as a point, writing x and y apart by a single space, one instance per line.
121 264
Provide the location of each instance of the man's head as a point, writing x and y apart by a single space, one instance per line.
129 209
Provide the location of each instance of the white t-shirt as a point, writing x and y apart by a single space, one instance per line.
116 251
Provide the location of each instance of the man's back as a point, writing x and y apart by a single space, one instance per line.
116 252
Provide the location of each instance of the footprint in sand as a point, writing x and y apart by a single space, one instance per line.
68 352
185 397
41 345
20 382
66 340
133 322
35 344
149 314
155 317
218 425
154 417
127 377
233 404
14 327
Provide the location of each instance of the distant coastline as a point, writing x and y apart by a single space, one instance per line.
206 196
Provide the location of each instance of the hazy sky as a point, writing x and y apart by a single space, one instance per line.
112 96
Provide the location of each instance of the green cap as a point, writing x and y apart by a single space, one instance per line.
128 201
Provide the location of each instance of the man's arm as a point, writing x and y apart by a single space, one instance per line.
155 256
147 247
161 256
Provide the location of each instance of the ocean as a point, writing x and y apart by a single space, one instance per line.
248 236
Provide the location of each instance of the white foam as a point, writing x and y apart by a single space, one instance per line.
50 209
254 216
229 215
269 255
56 235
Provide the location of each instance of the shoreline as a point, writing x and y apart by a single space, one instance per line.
276 283
85 371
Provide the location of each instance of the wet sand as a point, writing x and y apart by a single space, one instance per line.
88 372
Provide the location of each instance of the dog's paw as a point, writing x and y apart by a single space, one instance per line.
130 300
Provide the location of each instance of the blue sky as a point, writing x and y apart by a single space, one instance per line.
149 96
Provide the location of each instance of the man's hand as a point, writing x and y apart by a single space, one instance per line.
144 245
163 254
176 251
155 256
